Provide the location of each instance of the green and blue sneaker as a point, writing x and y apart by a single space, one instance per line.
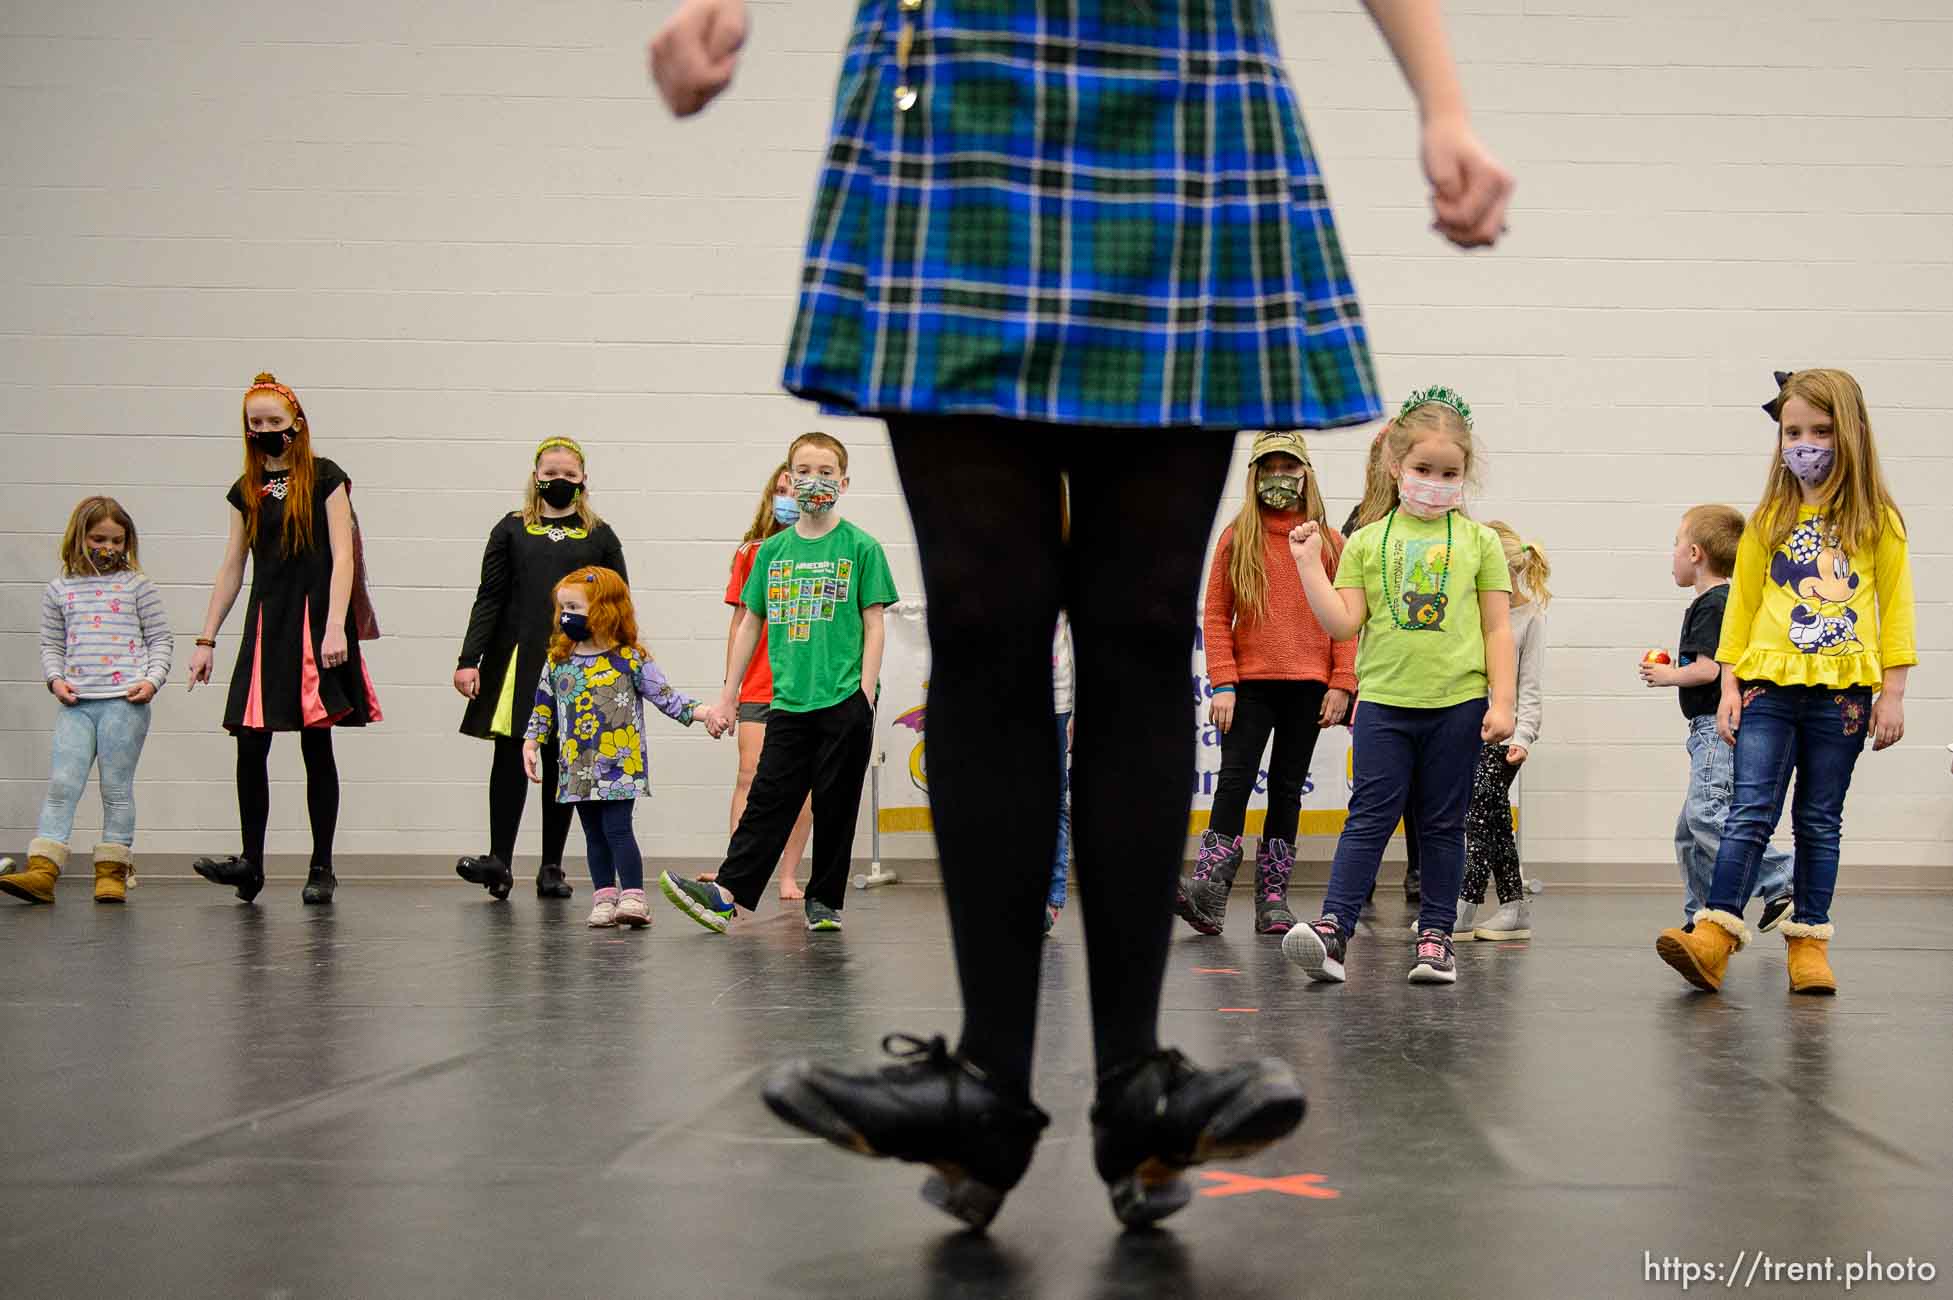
821 917
705 903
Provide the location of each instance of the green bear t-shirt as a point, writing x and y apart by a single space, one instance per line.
1422 646
811 594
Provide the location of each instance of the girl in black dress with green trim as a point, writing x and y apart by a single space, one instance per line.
502 654
299 666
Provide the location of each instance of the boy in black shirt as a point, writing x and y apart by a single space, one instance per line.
1705 554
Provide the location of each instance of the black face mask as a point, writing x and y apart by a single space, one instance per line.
272 442
575 626
557 493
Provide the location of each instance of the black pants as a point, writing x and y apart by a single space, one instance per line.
1491 849
984 495
254 790
1293 712
824 753
508 796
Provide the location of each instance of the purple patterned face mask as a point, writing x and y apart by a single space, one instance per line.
1809 462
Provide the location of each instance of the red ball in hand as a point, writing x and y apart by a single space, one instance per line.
1656 657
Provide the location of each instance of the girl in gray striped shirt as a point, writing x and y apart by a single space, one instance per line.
105 652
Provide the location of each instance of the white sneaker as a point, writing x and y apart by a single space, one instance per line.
1461 929
632 912
603 915
1513 920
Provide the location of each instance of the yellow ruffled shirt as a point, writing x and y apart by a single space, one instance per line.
1812 615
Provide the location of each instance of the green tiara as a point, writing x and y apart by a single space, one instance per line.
1441 395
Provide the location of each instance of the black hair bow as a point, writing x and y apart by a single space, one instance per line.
1774 407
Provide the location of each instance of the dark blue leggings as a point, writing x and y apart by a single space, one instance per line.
614 859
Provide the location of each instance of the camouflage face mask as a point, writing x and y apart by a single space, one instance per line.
1280 491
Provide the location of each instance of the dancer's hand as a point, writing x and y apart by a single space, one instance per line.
1220 710
141 693
199 666
63 692
1888 721
1497 725
1335 707
693 55
332 648
1659 674
468 682
1305 543
532 760
1729 713
1515 755
1469 187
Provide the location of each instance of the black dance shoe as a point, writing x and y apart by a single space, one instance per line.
551 882
1413 885
932 1107
1157 1116
490 872
241 874
319 884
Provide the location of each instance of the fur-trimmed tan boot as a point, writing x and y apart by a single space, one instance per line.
114 864
1702 954
35 881
1810 962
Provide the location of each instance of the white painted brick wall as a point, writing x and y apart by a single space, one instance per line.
456 227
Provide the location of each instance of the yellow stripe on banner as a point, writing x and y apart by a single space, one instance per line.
1314 821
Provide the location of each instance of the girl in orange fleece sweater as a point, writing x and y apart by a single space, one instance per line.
1274 670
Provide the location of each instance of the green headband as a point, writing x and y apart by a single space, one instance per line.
552 444
1437 395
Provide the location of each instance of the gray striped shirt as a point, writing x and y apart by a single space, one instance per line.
105 634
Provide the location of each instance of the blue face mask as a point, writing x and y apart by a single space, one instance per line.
785 509
575 626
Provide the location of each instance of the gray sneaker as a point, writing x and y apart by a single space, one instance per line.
821 917
1513 920
1461 929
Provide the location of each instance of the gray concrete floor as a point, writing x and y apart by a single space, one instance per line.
421 1093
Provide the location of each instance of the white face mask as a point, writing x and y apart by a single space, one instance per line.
1428 498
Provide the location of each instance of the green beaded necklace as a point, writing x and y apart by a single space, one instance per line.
1397 571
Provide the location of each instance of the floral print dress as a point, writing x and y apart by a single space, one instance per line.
594 705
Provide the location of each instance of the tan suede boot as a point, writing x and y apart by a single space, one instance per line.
35 881
1702 954
113 865
1809 960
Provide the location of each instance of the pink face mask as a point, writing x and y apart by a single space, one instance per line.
1428 498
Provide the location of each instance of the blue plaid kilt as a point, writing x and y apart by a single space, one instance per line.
1096 212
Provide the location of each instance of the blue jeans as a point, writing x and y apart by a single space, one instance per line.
1698 831
1817 732
110 732
1415 765
614 857
1061 863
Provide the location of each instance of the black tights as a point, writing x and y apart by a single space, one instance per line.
984 495
508 795
254 790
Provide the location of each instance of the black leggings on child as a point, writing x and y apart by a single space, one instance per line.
984 495
254 790
508 795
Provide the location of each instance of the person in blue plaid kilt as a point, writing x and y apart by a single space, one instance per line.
1084 240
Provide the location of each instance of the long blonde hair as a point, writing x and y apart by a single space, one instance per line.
1854 497
1526 560
1247 568
532 503
1379 489
88 512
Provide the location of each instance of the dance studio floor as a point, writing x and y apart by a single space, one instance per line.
419 1093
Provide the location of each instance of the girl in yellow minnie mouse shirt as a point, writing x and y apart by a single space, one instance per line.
590 697
1819 618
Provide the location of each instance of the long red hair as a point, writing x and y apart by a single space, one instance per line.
297 531
611 617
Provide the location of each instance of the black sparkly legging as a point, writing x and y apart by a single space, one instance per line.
984 495
508 796
1490 849
254 790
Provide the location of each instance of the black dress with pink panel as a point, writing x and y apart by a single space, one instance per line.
281 682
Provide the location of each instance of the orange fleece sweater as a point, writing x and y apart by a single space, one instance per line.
1286 643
